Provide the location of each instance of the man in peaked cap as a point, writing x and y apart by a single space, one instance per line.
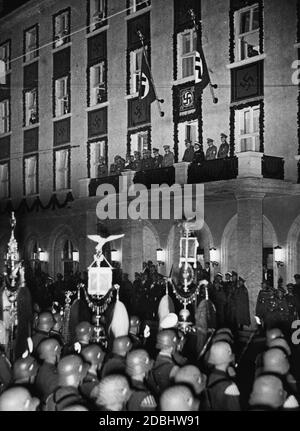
168 158
137 162
188 155
211 151
224 147
147 161
157 158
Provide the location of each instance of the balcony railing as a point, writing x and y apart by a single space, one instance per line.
273 167
155 176
95 182
213 170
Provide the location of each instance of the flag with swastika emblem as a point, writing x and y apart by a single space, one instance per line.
146 89
202 78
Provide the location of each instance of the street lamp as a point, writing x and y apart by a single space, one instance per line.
213 256
160 256
278 255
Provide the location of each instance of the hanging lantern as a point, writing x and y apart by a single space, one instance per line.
188 249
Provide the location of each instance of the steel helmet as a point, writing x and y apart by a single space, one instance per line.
191 375
273 333
93 354
268 391
18 398
45 321
48 348
138 362
281 343
177 398
275 361
112 389
166 338
121 345
222 337
25 369
84 331
220 353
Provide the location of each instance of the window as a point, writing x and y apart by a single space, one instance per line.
4 116
136 5
62 169
135 70
97 13
31 116
247 128
4 181
62 105
5 55
97 84
186 130
187 42
61 28
247 33
31 43
97 150
30 175
139 141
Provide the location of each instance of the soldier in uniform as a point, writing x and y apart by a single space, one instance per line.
147 161
240 304
5 371
164 368
49 352
168 158
18 399
137 163
112 393
116 362
267 394
188 155
56 331
45 324
178 398
192 376
94 356
222 392
25 371
138 364
71 372
129 162
83 335
224 147
219 299
198 155
157 158
265 305
134 332
102 168
211 151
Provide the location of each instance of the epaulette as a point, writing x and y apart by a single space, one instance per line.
149 401
232 390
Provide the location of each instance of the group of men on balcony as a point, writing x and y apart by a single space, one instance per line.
137 162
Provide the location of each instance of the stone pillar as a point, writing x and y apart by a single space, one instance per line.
250 244
181 172
126 180
249 164
84 187
132 248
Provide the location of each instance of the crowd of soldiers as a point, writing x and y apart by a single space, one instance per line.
142 162
131 373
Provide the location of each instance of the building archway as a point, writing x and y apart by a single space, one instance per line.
293 250
58 246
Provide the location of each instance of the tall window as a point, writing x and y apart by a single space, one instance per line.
67 257
136 5
62 28
135 70
186 41
31 43
62 169
4 116
4 180
31 116
97 13
62 105
31 175
139 141
247 128
5 55
247 32
97 84
97 150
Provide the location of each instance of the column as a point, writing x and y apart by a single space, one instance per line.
250 244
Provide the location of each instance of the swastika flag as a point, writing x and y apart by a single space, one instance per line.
146 89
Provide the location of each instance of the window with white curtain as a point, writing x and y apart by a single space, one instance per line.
31 43
61 169
4 116
136 5
247 32
97 83
97 150
4 181
30 107
5 55
247 128
31 175
62 105
61 28
97 13
135 70
186 43
139 141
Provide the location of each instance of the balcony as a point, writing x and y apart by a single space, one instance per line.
155 176
273 167
213 170
94 183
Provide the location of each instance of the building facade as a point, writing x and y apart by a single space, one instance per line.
69 96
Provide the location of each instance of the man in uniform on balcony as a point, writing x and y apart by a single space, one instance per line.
157 158
147 161
102 168
211 151
188 155
136 164
224 147
168 159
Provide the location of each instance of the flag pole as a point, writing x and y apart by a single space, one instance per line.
158 101
211 86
